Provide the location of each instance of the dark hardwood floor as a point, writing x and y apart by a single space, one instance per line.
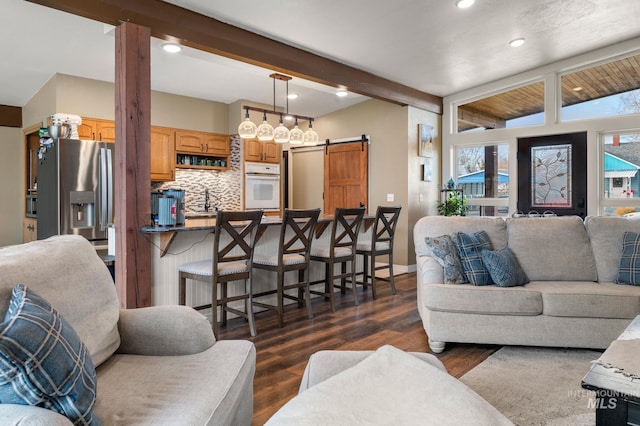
282 353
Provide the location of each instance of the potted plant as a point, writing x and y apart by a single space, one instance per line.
454 204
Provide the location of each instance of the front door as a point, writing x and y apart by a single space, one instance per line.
346 176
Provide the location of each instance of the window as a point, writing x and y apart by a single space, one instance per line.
523 106
604 90
482 172
621 177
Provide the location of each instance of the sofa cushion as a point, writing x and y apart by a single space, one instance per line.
492 300
606 234
469 249
445 251
43 362
433 226
68 272
552 248
584 299
629 270
503 267
207 388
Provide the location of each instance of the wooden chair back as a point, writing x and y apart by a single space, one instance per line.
234 238
346 227
296 233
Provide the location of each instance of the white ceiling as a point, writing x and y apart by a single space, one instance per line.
429 45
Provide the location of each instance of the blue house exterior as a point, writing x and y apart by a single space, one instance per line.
621 178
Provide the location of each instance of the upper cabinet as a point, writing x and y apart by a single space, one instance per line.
202 150
97 130
163 154
261 152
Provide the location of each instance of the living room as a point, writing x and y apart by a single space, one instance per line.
387 316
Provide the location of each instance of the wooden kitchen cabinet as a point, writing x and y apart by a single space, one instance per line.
261 152
29 229
97 130
163 154
192 142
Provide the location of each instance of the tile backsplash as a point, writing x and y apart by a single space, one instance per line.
225 187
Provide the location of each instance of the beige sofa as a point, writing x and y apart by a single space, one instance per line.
155 366
572 299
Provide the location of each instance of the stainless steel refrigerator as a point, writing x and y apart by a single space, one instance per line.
75 189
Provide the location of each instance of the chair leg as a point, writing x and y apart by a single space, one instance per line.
304 277
365 271
353 280
343 278
373 275
391 280
249 307
329 284
214 310
223 297
280 306
182 290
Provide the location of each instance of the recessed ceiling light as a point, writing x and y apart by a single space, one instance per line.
516 42
577 88
292 96
341 93
463 4
171 47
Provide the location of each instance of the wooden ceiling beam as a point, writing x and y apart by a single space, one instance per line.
174 23
480 119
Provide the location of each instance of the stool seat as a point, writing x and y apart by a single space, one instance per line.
205 268
379 246
326 252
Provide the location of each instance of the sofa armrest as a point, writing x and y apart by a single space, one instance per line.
325 364
429 271
27 415
164 330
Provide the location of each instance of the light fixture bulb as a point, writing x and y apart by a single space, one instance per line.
265 130
517 42
247 129
310 136
281 133
463 4
171 47
296 136
288 117
292 96
341 93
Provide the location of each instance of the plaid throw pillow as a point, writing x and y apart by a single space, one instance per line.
469 248
629 270
43 362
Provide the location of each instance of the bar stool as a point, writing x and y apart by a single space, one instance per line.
294 248
381 243
341 250
233 246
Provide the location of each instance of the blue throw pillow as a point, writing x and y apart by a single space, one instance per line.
503 267
43 362
629 270
469 248
444 250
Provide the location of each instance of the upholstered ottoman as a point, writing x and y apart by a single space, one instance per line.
387 386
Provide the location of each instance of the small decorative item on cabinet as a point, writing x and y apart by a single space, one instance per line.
201 162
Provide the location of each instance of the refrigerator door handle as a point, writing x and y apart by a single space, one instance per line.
105 187
110 194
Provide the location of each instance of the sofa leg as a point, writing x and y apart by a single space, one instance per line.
436 347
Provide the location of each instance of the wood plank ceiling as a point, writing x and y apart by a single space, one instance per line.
608 79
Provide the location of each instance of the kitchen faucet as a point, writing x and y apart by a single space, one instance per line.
206 200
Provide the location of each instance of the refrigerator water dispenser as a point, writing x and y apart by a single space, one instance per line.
82 209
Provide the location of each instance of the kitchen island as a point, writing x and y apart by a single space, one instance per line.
173 246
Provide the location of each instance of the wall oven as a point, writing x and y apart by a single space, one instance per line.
261 186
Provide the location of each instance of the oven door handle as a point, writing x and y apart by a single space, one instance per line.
263 177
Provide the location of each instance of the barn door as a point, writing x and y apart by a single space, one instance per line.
346 176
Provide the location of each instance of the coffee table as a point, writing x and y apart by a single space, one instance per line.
615 377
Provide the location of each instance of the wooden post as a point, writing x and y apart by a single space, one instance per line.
132 164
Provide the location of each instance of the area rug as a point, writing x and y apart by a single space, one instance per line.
537 386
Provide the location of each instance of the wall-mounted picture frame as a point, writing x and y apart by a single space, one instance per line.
425 140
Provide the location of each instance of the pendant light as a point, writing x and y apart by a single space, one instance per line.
296 136
247 129
310 136
281 133
265 130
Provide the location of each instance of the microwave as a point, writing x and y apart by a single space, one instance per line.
31 208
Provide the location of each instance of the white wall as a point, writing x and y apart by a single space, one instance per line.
552 125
